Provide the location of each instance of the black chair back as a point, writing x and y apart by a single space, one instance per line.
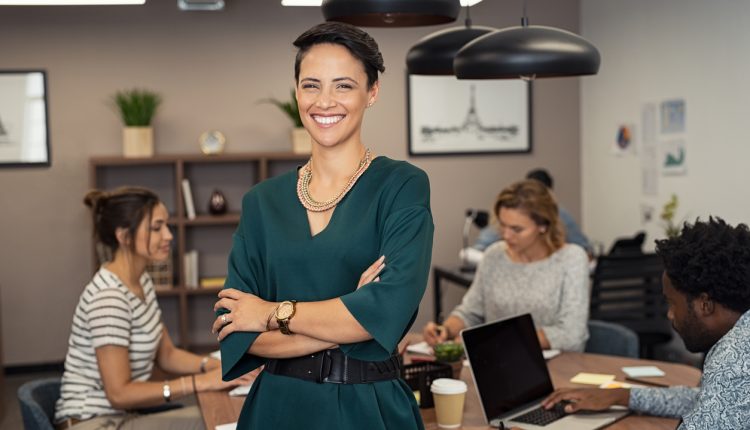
626 289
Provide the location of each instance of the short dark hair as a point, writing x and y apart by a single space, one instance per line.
125 207
542 176
360 44
710 257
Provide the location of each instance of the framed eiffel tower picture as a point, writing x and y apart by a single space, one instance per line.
24 131
448 116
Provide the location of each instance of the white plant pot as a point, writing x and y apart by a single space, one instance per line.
138 142
301 141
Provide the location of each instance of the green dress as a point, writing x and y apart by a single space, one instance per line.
275 256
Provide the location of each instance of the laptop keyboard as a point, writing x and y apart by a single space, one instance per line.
540 416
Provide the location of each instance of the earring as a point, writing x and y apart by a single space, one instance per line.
370 104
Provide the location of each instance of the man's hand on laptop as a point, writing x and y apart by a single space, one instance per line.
589 399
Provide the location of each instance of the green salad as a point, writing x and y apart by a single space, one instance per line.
448 351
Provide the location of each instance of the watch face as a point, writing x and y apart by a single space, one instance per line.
285 310
212 142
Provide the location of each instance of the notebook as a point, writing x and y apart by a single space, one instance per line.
511 378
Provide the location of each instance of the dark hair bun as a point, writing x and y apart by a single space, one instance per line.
94 198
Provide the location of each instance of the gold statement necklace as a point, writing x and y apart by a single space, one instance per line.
303 186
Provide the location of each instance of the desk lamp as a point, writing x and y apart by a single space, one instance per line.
480 219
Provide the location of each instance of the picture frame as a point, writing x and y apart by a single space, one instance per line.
448 116
24 119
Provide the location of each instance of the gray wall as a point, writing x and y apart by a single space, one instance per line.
211 68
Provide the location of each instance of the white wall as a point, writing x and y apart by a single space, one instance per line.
654 50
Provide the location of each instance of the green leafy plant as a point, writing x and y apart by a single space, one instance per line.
137 107
289 107
671 229
448 351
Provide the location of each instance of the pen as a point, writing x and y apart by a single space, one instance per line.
648 382
441 329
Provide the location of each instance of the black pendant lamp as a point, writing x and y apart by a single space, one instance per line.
527 52
433 54
391 13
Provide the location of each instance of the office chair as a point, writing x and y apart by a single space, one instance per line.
610 338
628 245
626 289
37 399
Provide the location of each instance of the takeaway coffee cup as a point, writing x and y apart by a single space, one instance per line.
449 395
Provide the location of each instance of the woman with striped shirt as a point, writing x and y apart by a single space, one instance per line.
118 335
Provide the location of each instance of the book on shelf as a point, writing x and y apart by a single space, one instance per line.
214 282
191 269
161 273
187 196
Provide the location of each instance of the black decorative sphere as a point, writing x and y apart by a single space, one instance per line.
217 205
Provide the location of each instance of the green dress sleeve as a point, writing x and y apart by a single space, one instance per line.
244 274
387 309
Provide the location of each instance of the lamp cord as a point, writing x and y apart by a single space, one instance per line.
468 15
524 18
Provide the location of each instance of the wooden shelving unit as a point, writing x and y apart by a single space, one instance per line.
188 310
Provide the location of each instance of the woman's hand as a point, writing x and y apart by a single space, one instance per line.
434 334
247 312
372 272
211 380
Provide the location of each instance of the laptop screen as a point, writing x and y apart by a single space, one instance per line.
507 362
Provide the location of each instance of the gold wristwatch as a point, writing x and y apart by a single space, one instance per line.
284 312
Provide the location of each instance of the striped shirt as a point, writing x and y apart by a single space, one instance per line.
108 313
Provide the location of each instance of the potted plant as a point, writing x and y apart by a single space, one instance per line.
452 353
671 229
301 140
137 109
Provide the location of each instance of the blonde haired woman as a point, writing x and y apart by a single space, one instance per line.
532 270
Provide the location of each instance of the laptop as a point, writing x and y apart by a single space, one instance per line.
512 379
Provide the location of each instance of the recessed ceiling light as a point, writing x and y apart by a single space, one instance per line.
318 2
68 2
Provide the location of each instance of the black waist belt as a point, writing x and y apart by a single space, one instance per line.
334 367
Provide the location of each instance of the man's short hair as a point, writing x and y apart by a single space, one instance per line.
710 257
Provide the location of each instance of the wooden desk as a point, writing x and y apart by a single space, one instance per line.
220 408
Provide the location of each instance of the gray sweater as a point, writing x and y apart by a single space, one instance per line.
554 290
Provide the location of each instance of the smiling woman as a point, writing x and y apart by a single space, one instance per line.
323 286
118 335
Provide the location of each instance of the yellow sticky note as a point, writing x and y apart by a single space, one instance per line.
615 384
417 395
591 378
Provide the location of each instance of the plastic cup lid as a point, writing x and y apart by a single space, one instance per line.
448 386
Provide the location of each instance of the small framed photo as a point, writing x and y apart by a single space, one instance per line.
448 116
24 130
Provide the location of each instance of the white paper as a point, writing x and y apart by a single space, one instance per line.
642 371
648 152
550 353
420 348
241 390
230 426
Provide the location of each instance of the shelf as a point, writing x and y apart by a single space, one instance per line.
198 158
233 175
177 291
167 292
231 218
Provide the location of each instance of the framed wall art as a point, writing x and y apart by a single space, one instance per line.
448 116
24 131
